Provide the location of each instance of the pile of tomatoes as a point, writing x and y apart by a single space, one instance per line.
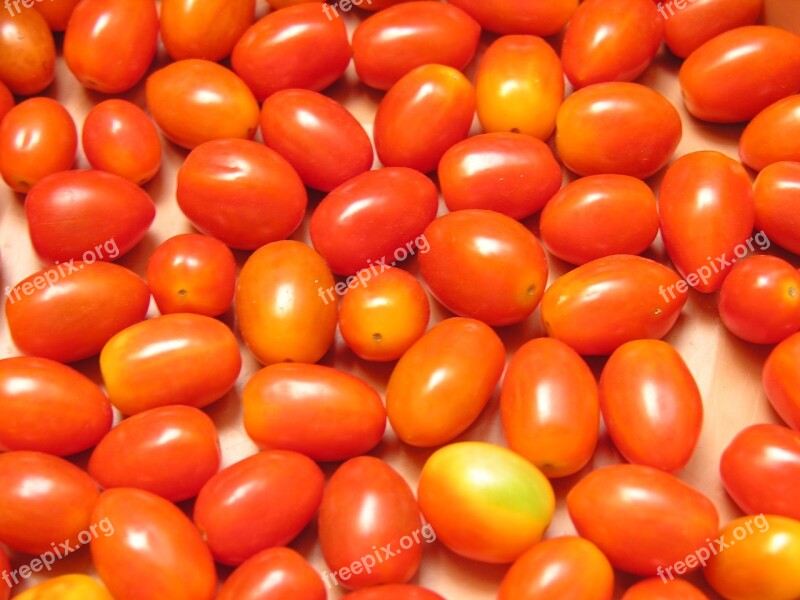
298 237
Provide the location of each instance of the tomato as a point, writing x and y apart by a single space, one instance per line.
57 13
67 587
262 501
163 553
737 74
207 30
550 408
192 273
599 216
27 52
180 358
370 529
781 380
619 128
89 215
318 136
45 500
195 101
37 138
658 588
298 47
5 566
274 574
370 5
563 567
509 16
443 382
381 318
484 265
68 312
772 135
401 38
170 451
120 138
6 100
688 27
373 218
777 196
599 306
241 193
762 564
642 519
396 591
651 404
109 44
280 308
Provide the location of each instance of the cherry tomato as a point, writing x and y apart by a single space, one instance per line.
195 101
317 135
777 197
68 312
396 591
109 44
781 380
773 135
443 382
260 502
192 273
598 216
377 218
170 451
737 74
163 553
56 12
67 587
274 574
6 100
484 265
550 408
641 518
280 303
37 138
657 588
207 30
27 52
401 38
298 46
241 193
509 16
691 25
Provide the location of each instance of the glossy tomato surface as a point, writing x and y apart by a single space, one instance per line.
777 198
509 16
28 52
658 588
781 380
207 30
57 14
274 574
67 587
688 28
773 135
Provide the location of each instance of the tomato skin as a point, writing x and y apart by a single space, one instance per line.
67 587
422 115
274 574
396 591
509 16
206 30
109 44
73 319
640 517
27 52
170 451
327 149
443 382
163 553
777 195
781 382
6 100
57 14
5 566
550 408
772 135
230 508
656 588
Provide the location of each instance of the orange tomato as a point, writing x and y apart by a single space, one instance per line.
688 27
781 380
278 572
657 588
207 30
773 135
511 16
777 197
27 52
56 12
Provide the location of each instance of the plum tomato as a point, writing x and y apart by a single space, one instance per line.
394 591
206 30
67 587
57 14
27 52
274 574
511 16
689 26
773 135
777 199
657 588
6 100
781 380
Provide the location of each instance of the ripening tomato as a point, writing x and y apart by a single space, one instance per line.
67 587
640 517
68 312
280 302
27 52
6 100
549 407
274 574
37 138
163 553
56 12
207 30
443 382
737 74
262 501
773 135
781 380
777 198
394 591
511 16
45 499
659 588
171 451
691 25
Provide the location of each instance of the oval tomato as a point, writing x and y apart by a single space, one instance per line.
658 588
509 16
274 574
394 591
207 30
781 380
27 52
773 135
67 587
57 14
689 26
777 198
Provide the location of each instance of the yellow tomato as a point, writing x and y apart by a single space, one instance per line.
68 587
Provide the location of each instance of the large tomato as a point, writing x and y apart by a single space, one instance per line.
781 380
274 574
658 588
773 135
67 587
27 52
511 16
688 27
207 30
777 199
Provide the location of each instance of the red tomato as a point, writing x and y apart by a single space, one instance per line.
68 312
443 382
549 407
777 198
689 26
422 115
641 518
773 135
89 215
658 588
260 502
45 500
651 404
48 407
6 100
163 553
192 273
781 380
37 138
484 265
318 136
623 128
737 74
5 566
397 591
57 12
509 16
297 47
274 574
401 38
325 414
370 528
27 52
170 451
598 216
376 217
109 44
207 30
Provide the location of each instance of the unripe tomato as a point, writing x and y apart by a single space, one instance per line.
781 380
67 587
56 12
777 199
688 27
773 135
511 16
206 30
274 574
27 52
659 588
